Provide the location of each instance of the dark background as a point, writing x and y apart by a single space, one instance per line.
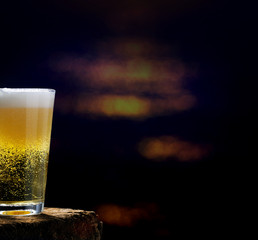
94 161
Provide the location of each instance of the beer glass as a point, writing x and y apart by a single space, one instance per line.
25 129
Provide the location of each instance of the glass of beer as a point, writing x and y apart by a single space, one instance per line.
25 130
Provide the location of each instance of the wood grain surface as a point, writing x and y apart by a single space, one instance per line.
52 224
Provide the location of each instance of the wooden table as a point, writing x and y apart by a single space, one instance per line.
52 224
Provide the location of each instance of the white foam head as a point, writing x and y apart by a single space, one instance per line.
26 98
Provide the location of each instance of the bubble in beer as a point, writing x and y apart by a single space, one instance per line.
25 129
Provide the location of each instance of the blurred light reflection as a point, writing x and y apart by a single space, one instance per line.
129 78
115 105
164 147
124 216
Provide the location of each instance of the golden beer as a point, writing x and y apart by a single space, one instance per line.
25 130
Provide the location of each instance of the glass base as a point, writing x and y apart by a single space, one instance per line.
21 210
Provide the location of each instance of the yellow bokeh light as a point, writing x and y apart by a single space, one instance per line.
114 106
124 106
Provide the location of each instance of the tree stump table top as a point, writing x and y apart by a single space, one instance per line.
52 224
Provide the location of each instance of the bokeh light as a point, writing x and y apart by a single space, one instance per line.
133 78
125 216
169 147
115 105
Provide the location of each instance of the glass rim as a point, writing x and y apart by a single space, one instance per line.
27 90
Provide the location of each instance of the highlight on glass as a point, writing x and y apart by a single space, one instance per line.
25 131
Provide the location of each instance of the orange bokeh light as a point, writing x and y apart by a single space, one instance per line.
124 216
164 147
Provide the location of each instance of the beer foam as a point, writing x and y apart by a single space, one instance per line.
26 98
